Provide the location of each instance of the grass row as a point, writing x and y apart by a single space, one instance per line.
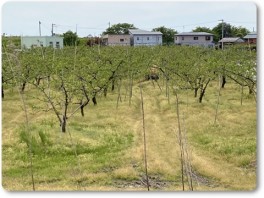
105 146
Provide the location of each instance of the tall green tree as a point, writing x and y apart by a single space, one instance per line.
229 31
167 34
217 31
202 29
239 31
120 28
70 38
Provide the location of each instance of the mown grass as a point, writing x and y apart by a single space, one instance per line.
105 146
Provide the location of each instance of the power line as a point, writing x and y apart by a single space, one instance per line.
186 25
241 22
195 24
69 26
82 27
63 27
92 28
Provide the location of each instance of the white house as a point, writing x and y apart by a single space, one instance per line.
142 37
44 41
203 39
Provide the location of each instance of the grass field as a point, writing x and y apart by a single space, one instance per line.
104 149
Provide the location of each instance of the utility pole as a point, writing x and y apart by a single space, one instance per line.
76 29
109 24
39 28
52 32
222 33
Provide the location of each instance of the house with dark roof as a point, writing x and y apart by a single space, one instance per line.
203 39
251 38
142 37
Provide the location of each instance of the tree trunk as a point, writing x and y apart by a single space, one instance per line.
203 91
105 91
38 80
223 81
113 84
23 86
3 94
82 105
63 125
94 100
82 112
250 89
195 92
201 96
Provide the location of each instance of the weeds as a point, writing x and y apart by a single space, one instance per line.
109 146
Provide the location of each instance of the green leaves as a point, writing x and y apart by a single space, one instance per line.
70 38
120 28
92 70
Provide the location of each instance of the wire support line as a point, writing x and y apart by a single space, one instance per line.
241 22
196 24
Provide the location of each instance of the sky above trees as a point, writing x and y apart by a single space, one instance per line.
90 17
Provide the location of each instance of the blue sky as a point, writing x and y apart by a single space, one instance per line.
90 17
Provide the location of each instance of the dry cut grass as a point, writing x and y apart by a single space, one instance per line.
106 148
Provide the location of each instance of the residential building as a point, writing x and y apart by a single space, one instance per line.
230 41
251 38
41 41
203 39
116 39
142 37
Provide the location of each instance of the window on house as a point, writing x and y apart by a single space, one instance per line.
138 38
176 38
182 37
147 38
122 40
207 38
51 44
195 38
57 44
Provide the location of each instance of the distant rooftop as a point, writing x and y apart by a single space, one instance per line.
251 35
194 34
119 35
231 40
54 36
143 32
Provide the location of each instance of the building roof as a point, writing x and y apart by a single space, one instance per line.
231 40
143 32
194 34
120 35
251 35
42 36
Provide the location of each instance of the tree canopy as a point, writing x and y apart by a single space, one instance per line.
167 34
229 31
202 29
70 38
120 28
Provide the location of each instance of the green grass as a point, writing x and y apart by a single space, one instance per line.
105 146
